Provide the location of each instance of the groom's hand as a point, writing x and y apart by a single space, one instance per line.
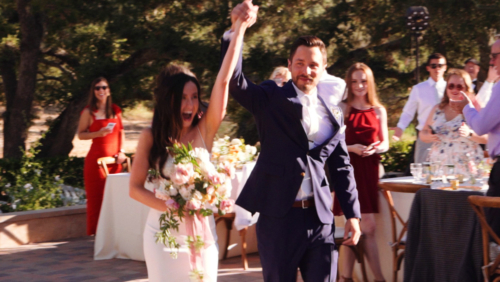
246 12
352 226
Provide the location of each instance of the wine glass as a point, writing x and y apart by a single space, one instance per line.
416 171
435 169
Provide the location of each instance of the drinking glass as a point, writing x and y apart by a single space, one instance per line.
449 171
426 172
416 171
436 169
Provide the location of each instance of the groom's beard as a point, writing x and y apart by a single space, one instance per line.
305 86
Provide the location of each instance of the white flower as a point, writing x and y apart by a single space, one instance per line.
197 195
7 185
169 167
252 150
207 168
38 171
172 191
57 178
185 193
236 142
28 187
201 154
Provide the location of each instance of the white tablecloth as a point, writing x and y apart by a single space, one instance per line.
122 220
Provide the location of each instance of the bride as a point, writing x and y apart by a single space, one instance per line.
178 117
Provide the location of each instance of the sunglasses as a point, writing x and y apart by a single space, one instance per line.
433 66
493 56
459 87
100 87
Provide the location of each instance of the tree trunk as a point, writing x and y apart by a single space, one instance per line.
58 141
18 115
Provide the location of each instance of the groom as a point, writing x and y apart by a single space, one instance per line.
300 130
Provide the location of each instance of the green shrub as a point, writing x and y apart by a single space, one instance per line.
396 158
31 183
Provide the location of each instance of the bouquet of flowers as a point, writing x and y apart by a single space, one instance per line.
193 188
234 151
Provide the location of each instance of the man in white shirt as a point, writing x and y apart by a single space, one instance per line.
422 98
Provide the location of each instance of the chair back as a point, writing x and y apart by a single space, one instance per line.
398 239
105 161
478 203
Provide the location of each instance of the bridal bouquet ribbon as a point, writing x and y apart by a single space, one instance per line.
192 187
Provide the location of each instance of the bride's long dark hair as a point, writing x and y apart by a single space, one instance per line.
167 120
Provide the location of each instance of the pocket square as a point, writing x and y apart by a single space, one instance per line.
342 129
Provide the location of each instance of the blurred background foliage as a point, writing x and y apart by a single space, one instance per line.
129 41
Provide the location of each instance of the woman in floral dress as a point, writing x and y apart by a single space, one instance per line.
453 141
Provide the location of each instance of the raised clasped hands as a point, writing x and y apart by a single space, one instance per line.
244 15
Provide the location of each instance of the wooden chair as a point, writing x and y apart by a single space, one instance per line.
491 269
398 239
105 161
228 218
359 249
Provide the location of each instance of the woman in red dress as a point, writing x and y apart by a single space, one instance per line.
101 122
366 136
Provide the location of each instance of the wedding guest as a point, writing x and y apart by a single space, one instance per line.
453 141
100 122
366 124
177 117
422 98
280 75
487 121
472 68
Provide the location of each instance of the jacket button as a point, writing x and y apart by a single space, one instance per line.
303 174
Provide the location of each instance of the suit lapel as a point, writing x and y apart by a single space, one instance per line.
296 108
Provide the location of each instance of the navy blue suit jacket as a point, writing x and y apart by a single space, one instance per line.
275 181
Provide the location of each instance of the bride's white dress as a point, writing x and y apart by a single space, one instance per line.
162 267
160 264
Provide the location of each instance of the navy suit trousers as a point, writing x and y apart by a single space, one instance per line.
297 240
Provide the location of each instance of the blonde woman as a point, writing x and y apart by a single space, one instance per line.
281 75
453 141
366 137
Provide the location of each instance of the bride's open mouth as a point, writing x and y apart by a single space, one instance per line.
186 116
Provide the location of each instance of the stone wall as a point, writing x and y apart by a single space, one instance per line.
20 228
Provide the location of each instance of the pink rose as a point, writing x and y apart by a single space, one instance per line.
161 194
226 204
229 169
216 178
210 190
193 204
182 173
171 204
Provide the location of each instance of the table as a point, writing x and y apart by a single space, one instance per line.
122 220
444 238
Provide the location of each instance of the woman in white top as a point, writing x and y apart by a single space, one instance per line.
178 117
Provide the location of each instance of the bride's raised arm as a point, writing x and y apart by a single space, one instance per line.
216 111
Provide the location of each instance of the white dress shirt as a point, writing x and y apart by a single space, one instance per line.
484 94
332 88
422 98
323 131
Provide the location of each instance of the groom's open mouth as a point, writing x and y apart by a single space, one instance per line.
186 116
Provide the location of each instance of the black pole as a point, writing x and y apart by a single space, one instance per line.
417 55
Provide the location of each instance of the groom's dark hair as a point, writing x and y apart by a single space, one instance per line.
308 41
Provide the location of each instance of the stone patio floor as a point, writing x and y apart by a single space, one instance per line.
72 260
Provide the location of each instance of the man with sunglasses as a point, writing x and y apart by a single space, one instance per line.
487 121
422 98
